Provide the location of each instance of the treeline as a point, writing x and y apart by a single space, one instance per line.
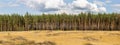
82 21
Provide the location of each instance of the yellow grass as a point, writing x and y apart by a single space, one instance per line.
68 37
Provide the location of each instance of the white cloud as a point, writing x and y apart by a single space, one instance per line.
102 2
9 4
87 6
102 9
80 3
108 1
116 7
99 3
59 6
45 5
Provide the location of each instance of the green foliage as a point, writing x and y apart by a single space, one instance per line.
82 21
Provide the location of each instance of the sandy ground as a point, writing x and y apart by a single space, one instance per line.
68 37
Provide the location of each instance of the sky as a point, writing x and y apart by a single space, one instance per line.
58 6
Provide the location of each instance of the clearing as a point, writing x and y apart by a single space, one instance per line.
61 37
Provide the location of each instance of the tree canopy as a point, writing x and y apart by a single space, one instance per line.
82 21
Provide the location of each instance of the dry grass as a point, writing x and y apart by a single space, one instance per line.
88 44
60 38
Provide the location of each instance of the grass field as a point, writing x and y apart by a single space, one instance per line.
60 38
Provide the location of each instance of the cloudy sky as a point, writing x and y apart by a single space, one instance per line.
58 6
